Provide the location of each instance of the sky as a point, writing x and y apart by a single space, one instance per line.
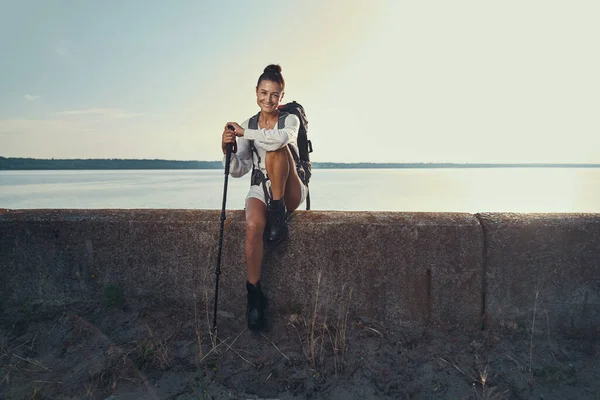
381 81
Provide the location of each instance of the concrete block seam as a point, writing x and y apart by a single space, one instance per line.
484 262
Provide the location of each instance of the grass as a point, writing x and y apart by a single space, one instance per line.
531 379
327 336
216 345
213 335
488 393
313 341
485 392
150 352
320 336
199 337
339 339
163 357
25 364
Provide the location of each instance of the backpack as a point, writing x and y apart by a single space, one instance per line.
303 164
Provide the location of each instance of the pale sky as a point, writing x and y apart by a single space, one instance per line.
381 81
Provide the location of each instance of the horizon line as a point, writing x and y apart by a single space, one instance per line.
313 162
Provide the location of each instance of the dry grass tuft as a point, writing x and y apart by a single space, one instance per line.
485 392
488 393
153 352
531 379
320 337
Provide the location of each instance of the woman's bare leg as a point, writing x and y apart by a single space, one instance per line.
256 219
285 182
278 170
293 193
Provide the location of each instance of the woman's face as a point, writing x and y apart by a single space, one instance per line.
268 96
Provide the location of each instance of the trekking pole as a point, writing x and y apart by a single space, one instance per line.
229 149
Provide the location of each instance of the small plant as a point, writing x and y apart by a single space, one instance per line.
488 393
144 352
152 352
113 296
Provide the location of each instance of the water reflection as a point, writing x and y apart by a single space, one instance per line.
429 190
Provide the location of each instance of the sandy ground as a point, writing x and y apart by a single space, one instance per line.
125 352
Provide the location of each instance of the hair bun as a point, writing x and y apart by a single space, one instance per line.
272 72
273 68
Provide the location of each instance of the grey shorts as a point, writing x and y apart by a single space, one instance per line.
258 192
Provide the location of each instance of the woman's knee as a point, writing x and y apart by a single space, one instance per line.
279 155
254 227
279 152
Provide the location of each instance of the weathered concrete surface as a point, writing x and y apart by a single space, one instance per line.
404 269
556 255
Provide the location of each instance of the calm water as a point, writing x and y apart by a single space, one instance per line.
463 190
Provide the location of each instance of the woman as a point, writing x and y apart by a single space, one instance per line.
265 151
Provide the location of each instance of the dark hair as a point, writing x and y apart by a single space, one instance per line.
272 72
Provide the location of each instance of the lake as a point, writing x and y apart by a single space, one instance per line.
425 189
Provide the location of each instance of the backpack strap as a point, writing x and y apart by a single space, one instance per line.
253 122
281 121
258 178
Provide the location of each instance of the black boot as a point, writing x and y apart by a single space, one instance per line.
257 305
277 220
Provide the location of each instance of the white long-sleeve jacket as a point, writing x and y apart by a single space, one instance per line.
264 140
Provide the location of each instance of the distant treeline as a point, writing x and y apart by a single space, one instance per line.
13 163
113 163
325 165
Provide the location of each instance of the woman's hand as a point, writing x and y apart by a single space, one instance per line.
227 138
238 130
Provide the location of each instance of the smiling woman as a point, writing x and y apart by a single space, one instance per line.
263 144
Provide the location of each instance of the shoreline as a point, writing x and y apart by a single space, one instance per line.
31 164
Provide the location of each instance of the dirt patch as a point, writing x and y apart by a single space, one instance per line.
124 352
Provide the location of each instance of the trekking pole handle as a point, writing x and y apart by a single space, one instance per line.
230 127
228 149
230 145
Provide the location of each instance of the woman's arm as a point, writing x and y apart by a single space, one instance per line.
273 139
241 162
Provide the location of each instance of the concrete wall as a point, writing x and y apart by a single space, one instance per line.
546 262
404 269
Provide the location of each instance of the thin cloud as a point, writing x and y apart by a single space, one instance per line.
79 137
31 97
109 113
41 127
